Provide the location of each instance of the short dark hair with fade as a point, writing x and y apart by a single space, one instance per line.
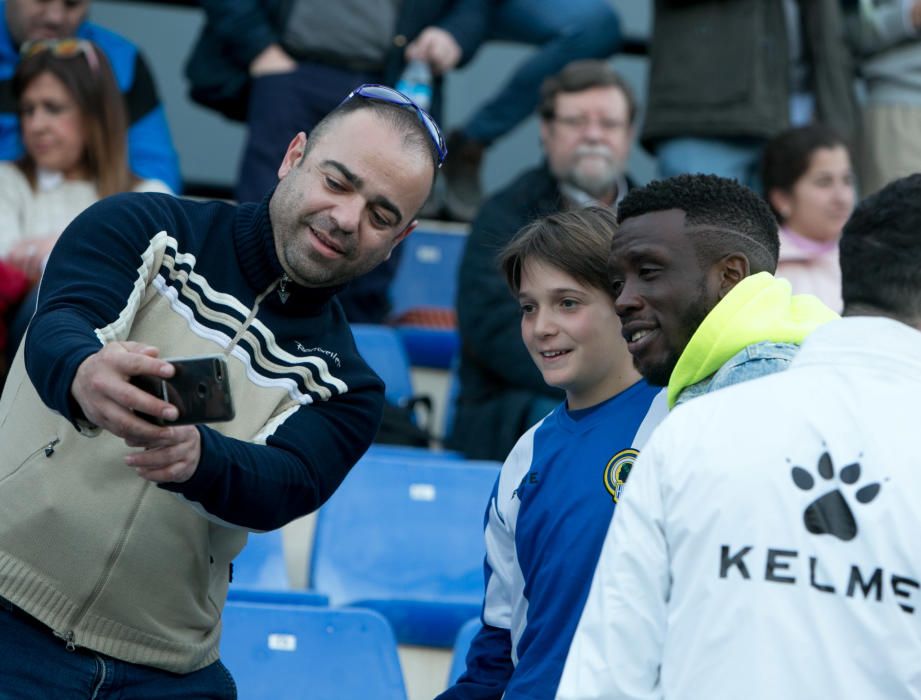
582 75
575 241
402 118
787 156
880 252
741 220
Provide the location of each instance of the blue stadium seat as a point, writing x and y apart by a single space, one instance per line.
461 647
427 275
430 347
404 537
423 292
290 597
282 652
261 564
378 449
382 349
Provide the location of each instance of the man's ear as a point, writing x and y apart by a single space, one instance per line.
403 234
293 155
731 269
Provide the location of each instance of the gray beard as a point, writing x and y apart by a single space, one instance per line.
596 186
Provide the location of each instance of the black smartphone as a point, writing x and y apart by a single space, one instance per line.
200 389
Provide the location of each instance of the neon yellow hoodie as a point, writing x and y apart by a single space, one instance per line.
760 308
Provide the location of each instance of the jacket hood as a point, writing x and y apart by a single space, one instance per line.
760 308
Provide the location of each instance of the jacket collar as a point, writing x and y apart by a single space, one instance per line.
759 308
865 341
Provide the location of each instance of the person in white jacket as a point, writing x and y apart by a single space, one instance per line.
767 546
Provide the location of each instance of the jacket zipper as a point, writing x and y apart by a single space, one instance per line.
69 636
75 621
283 294
47 448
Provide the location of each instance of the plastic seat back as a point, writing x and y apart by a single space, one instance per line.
281 652
405 537
382 348
261 563
461 647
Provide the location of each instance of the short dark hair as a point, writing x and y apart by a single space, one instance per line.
708 200
575 241
786 157
402 118
582 75
880 251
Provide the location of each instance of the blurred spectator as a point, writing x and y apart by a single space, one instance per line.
74 129
809 183
586 113
150 148
887 33
281 66
727 75
562 32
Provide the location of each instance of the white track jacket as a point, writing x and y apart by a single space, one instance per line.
768 544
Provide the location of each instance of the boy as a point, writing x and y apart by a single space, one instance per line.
555 496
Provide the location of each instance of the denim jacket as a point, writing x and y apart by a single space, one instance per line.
751 362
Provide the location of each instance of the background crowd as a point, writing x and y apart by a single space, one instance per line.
811 105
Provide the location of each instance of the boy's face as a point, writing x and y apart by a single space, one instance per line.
573 335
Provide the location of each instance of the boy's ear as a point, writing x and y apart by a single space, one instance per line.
731 269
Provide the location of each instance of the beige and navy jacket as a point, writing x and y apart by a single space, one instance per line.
106 559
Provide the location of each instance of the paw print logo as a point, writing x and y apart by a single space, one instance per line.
830 513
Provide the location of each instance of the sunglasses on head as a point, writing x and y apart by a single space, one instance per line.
61 48
388 94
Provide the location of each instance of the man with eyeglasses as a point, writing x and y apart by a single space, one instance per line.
150 148
117 534
587 112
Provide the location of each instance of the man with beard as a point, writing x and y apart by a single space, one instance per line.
117 534
587 113
764 547
692 267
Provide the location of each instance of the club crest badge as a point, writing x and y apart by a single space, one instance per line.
617 471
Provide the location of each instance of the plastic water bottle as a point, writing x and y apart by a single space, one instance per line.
416 83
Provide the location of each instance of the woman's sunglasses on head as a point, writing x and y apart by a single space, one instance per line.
62 48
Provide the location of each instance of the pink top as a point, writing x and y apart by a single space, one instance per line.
811 267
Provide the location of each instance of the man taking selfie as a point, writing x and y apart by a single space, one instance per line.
117 534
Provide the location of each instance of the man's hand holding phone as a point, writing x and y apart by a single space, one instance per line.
102 388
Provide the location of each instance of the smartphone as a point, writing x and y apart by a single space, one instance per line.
200 389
